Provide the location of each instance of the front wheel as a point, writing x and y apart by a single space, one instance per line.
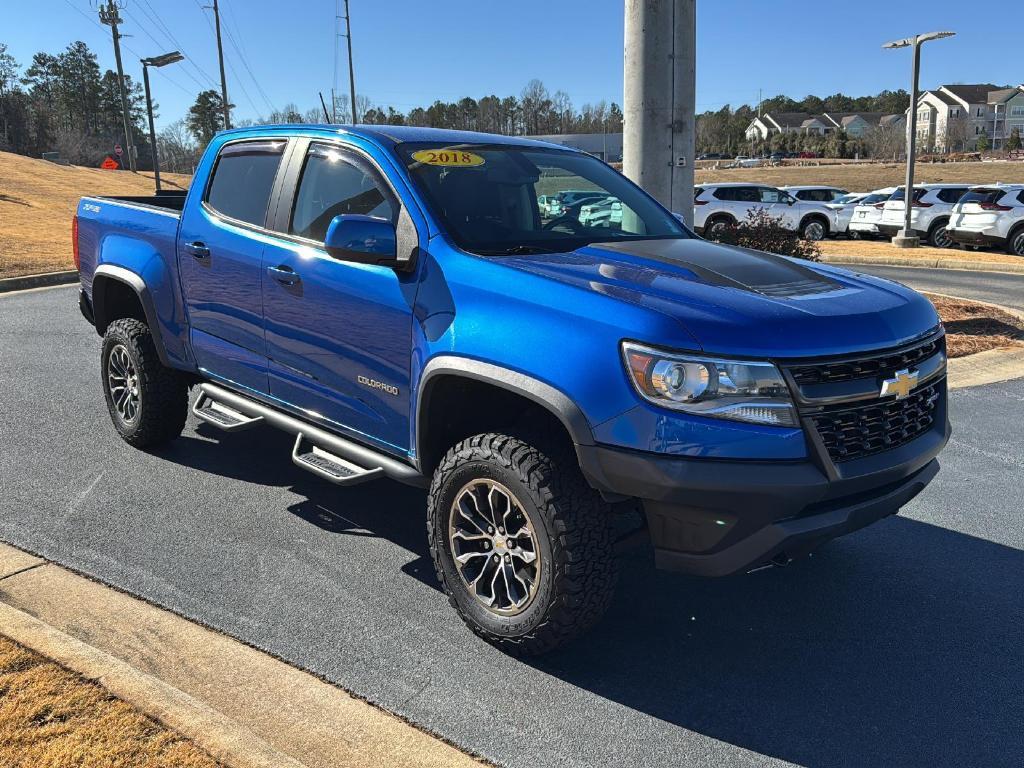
147 401
521 544
813 229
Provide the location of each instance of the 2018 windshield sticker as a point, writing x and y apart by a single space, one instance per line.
447 157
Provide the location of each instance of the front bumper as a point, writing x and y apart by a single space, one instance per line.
974 237
716 517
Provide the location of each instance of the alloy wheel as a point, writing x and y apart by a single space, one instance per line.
123 382
814 231
1018 243
494 547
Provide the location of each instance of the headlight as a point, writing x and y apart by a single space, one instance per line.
721 389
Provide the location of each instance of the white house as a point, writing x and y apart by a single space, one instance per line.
855 124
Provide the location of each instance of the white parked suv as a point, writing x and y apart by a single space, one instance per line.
717 206
843 206
990 215
930 209
868 212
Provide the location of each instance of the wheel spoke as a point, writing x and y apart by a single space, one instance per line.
523 554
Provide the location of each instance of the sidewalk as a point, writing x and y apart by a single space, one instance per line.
242 706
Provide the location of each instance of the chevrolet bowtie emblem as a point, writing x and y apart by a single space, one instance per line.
899 385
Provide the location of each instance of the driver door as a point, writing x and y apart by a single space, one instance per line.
776 202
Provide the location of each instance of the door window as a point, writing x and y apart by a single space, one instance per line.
770 196
243 179
335 183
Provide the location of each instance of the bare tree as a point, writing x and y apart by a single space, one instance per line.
886 141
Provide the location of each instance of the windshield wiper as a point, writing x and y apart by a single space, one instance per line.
519 250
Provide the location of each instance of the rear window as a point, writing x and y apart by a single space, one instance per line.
243 179
898 194
951 195
876 198
982 196
697 192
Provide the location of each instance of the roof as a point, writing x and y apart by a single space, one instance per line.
788 119
802 187
890 119
1003 94
945 98
400 134
972 94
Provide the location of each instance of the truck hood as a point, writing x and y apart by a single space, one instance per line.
736 301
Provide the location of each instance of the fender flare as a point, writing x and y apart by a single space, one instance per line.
106 274
544 395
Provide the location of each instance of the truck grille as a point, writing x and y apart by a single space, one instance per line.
852 432
884 364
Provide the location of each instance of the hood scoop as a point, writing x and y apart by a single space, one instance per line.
731 267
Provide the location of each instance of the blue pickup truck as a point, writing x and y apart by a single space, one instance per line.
397 300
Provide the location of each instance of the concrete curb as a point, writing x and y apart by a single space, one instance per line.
25 282
239 704
897 261
989 367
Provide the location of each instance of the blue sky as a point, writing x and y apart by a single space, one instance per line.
410 52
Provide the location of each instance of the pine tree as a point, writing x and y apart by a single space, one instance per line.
1013 143
206 116
983 144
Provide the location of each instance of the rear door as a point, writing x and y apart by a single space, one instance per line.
339 334
220 247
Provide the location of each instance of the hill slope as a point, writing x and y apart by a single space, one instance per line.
37 201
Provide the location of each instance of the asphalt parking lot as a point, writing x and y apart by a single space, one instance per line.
899 645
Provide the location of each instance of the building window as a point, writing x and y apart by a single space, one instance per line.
923 116
981 111
1017 111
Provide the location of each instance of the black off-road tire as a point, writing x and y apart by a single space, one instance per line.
574 536
163 391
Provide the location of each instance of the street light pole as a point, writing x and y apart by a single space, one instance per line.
156 61
907 238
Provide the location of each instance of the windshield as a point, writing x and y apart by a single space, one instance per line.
488 198
847 199
876 197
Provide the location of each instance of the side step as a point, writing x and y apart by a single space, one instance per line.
327 454
221 416
330 467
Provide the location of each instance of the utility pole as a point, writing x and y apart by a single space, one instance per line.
220 57
351 70
110 16
660 83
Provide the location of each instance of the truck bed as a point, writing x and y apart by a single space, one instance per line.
171 200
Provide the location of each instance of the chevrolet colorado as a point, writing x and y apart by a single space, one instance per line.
395 298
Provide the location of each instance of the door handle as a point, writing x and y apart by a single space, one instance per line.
198 250
284 274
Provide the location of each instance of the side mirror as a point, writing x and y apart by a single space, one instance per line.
362 239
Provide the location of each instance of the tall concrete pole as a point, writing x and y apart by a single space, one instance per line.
660 86
907 238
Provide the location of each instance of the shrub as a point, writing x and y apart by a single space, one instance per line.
763 232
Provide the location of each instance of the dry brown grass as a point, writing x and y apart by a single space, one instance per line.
51 718
875 250
866 177
973 327
37 201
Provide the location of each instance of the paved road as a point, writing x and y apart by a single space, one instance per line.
899 645
1006 289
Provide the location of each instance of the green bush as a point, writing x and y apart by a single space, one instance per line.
761 231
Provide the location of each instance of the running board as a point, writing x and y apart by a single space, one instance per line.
337 459
330 467
221 416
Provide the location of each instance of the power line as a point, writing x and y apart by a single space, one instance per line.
190 60
162 45
127 47
244 59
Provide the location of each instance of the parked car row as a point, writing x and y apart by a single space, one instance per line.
942 215
592 208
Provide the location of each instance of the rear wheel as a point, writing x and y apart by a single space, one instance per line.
938 237
147 401
717 225
1015 242
521 543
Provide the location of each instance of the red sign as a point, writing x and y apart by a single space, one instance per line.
110 164
118 150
